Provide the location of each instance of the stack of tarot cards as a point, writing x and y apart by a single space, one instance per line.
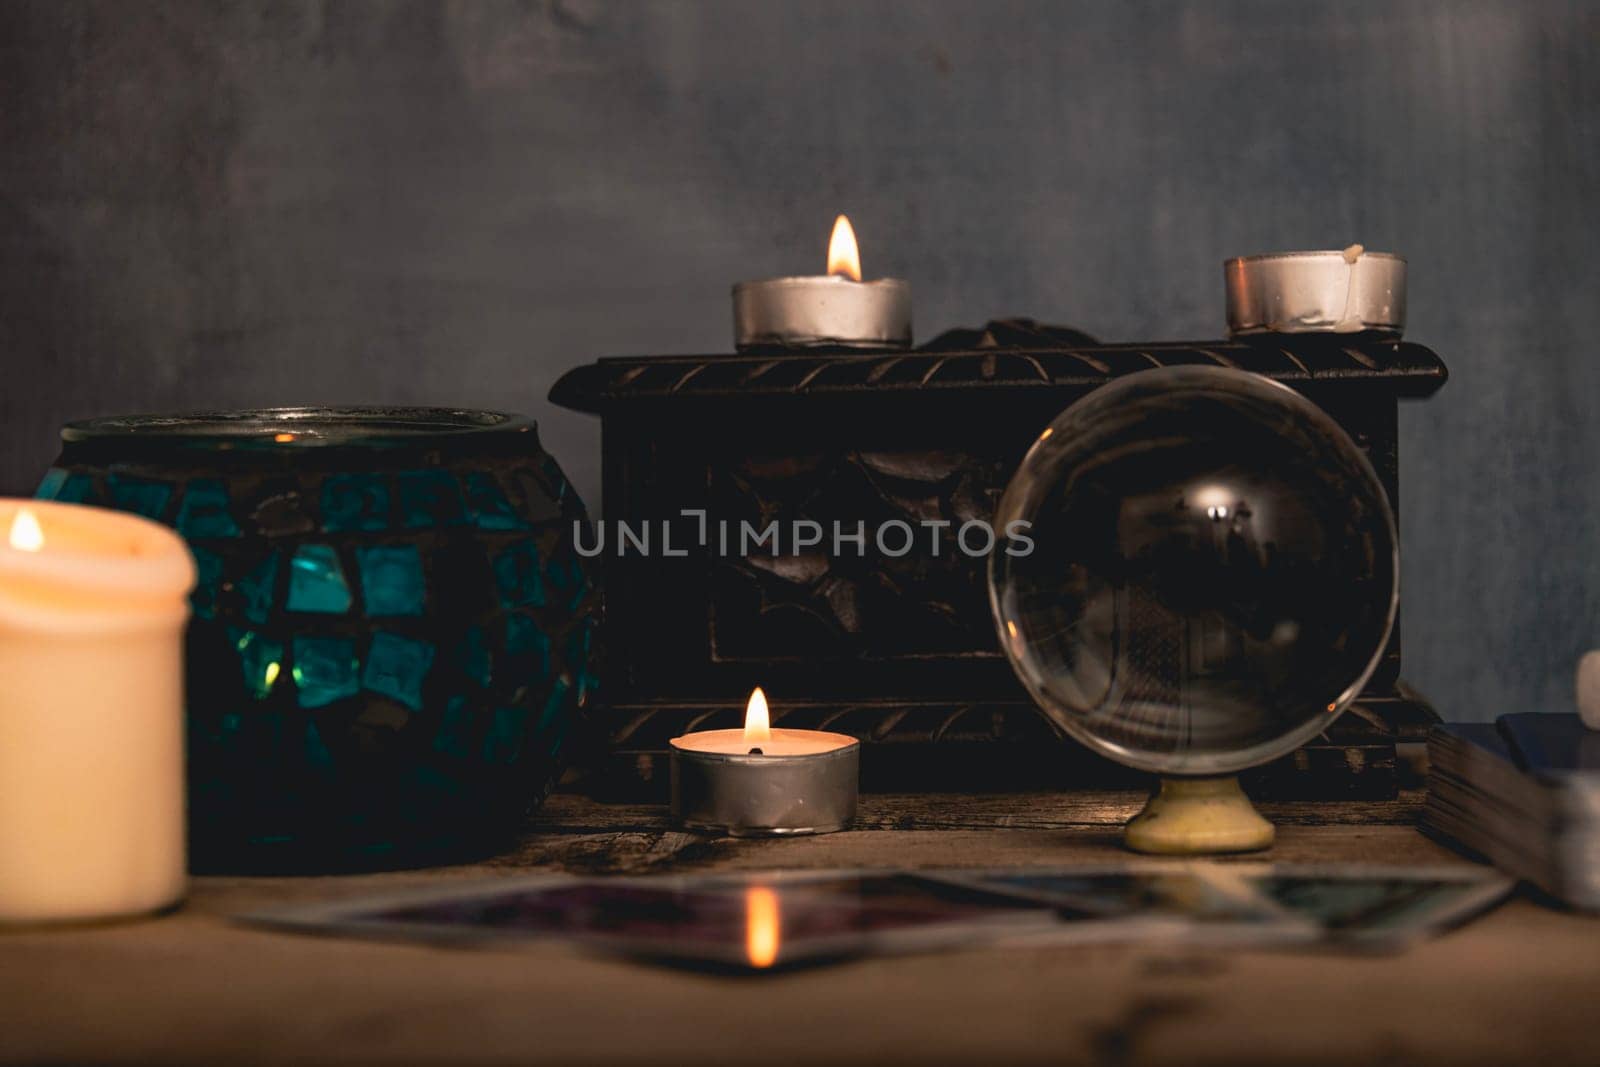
751 922
1524 793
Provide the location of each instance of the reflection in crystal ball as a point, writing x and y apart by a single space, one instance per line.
1213 574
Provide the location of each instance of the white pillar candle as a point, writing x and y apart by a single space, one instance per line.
92 609
1589 689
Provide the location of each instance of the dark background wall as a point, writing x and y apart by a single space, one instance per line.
268 203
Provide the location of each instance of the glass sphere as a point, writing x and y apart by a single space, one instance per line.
1213 572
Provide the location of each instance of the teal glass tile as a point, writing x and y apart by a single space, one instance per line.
317 582
317 754
578 659
526 642
325 670
504 739
558 481
430 498
77 489
139 495
590 685
489 507
454 736
559 575
262 660
516 572
204 511
476 660
568 580
391 580
539 505
555 718
396 667
355 502
50 486
258 588
208 583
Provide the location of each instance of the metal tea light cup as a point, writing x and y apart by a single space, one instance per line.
1352 291
822 312
765 796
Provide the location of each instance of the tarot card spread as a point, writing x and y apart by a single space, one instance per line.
766 920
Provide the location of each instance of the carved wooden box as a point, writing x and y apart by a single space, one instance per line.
899 651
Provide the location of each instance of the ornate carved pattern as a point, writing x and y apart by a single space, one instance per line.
865 603
1354 758
1403 368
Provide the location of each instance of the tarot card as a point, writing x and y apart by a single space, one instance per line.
1194 902
1380 908
1263 905
1122 891
750 922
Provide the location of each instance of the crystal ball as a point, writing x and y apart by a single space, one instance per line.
1212 576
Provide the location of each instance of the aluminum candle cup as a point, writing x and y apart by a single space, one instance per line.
822 312
803 782
1316 292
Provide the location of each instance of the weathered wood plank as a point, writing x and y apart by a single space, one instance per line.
194 989
197 988
636 853
573 813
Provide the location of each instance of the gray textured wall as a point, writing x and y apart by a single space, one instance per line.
266 203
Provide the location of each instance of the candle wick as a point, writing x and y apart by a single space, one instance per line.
755 752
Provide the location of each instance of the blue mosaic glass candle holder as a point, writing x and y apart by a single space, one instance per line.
392 635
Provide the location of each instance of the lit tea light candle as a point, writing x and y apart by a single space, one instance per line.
760 781
92 610
835 310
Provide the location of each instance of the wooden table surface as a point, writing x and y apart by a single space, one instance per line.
1517 985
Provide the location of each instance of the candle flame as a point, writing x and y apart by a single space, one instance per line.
757 723
761 926
26 534
843 255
